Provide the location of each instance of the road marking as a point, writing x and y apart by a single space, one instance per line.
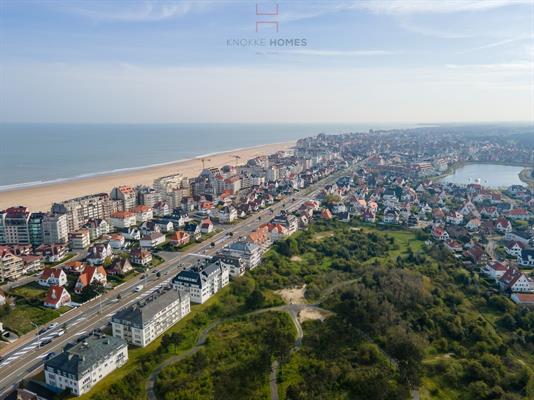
80 333
109 315
42 356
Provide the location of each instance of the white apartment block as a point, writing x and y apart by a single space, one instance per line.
82 209
55 229
202 281
81 366
143 322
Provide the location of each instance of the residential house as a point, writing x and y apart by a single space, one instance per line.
91 275
206 226
503 225
495 269
526 258
523 298
57 297
98 253
140 257
516 281
117 241
119 266
227 214
52 252
193 229
439 233
143 213
53 276
152 240
179 238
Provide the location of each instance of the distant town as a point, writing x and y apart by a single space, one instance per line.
94 276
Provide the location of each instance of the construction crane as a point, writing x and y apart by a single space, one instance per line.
204 162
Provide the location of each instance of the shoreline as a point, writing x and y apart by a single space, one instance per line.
527 177
40 196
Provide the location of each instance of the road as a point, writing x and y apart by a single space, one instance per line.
27 358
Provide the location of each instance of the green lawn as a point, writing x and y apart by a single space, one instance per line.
21 317
30 291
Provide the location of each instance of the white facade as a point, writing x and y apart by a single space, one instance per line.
202 282
55 228
82 366
140 325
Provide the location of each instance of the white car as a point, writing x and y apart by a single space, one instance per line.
60 332
138 288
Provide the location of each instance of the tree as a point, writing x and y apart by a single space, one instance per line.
255 300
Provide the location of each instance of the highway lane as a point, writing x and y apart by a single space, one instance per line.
96 313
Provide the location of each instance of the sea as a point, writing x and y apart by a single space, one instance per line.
36 154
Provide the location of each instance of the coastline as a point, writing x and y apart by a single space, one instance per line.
39 197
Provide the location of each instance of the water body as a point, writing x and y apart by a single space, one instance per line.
490 175
33 154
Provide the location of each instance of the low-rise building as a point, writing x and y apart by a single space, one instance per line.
11 266
249 252
143 213
202 281
57 297
98 253
123 219
81 366
526 258
152 240
179 238
91 275
140 257
53 276
144 321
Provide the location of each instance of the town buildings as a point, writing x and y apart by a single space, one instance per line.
202 281
81 366
144 321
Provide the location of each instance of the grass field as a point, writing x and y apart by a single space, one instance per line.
21 317
30 291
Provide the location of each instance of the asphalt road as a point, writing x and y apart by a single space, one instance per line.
27 357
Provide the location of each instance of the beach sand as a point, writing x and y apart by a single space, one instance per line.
40 198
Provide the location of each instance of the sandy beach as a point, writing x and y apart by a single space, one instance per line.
40 198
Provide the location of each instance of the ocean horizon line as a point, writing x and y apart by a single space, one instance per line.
118 171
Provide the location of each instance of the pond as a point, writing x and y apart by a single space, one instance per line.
490 175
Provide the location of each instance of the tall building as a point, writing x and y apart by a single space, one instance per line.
126 195
144 321
82 209
14 225
55 228
81 366
35 228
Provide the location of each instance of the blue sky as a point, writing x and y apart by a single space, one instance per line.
170 61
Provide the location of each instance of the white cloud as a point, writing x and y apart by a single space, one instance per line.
139 11
129 93
404 7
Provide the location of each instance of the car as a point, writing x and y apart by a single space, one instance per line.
138 288
53 325
60 332
49 356
45 342
42 331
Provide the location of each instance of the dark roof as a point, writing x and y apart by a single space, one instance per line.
141 313
78 358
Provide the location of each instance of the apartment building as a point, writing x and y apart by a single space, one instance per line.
80 240
126 195
11 266
81 209
55 228
123 219
14 225
249 252
202 281
81 366
144 321
35 228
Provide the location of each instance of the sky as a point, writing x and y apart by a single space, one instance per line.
150 61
